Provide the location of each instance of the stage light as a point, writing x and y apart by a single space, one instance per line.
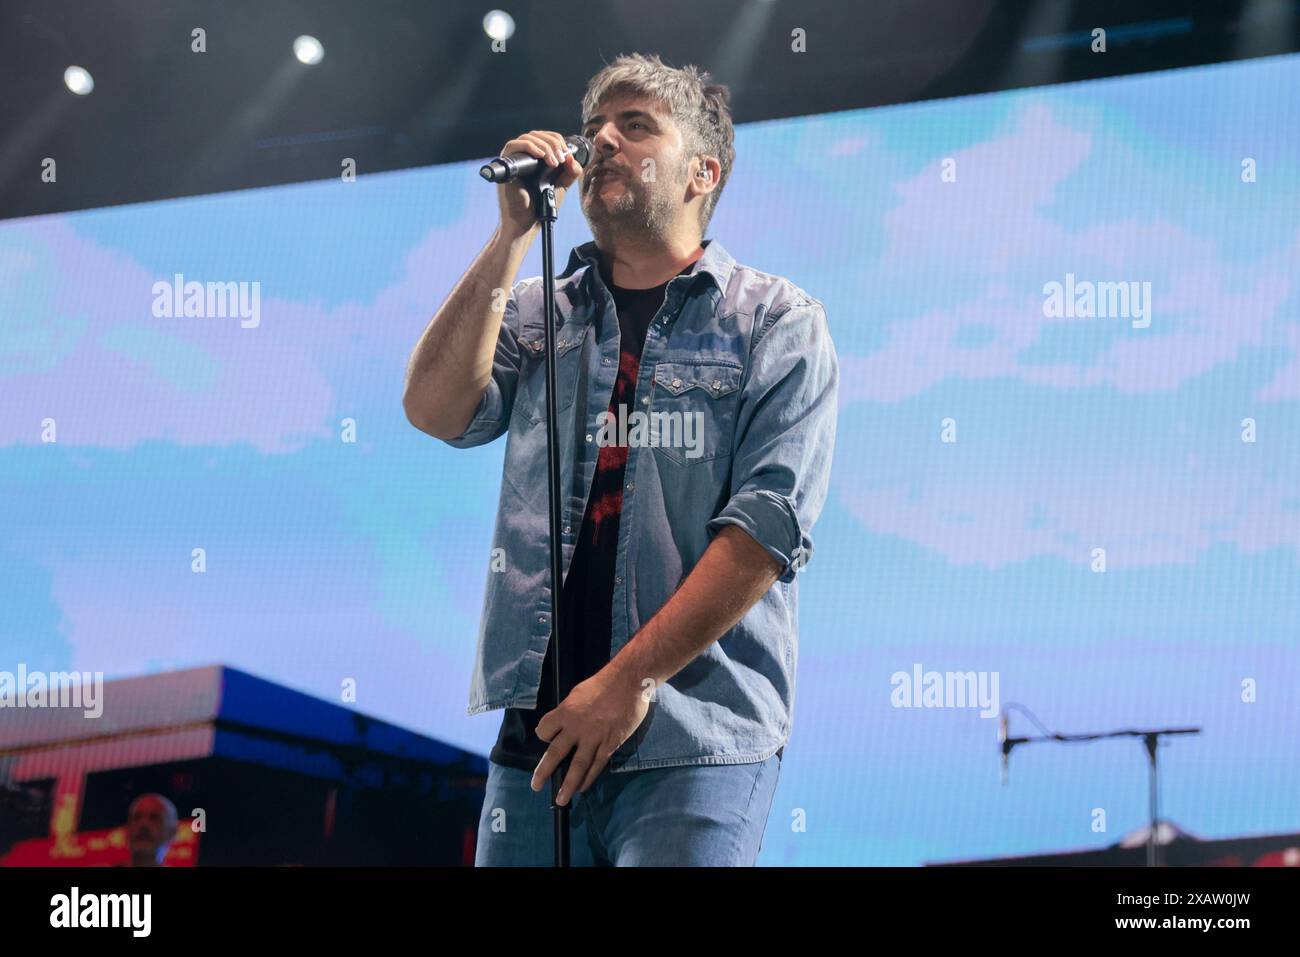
308 50
1264 27
499 25
78 80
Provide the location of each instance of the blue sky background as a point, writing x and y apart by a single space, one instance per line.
328 560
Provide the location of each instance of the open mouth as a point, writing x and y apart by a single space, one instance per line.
600 175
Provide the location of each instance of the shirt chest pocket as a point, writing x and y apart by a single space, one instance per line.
530 399
693 411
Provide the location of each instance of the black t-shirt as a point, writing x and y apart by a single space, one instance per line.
588 593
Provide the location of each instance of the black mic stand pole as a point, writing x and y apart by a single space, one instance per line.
547 213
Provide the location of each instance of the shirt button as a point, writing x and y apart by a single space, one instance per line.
645 400
604 362
630 486
618 579
566 529
676 383
588 436
717 384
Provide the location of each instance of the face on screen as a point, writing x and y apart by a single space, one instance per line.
147 825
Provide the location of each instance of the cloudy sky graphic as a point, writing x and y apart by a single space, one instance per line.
930 232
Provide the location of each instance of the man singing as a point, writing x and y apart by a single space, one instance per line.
696 411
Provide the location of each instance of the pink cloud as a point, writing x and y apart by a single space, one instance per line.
265 386
1141 515
993 222
273 386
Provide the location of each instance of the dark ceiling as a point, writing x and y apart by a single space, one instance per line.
411 82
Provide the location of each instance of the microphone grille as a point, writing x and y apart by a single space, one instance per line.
582 148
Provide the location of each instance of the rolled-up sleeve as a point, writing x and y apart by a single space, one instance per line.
492 417
784 436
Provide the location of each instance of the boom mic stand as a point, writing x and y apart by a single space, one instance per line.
1151 739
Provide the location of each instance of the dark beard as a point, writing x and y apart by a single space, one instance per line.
650 213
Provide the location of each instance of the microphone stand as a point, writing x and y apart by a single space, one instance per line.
547 213
1151 739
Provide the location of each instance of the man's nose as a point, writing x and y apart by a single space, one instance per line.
604 139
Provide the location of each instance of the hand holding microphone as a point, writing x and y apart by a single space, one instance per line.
522 160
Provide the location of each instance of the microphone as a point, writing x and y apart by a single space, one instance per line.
507 169
1004 744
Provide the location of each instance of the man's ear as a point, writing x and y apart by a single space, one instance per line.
702 173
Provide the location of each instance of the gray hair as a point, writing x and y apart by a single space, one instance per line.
699 107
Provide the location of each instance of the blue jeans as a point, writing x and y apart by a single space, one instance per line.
699 815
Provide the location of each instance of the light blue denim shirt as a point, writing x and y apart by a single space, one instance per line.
750 355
